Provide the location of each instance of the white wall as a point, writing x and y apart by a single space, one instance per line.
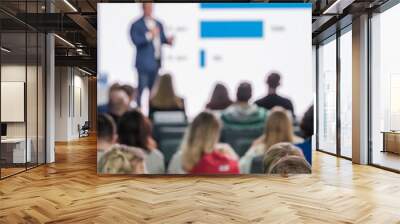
33 126
71 94
16 73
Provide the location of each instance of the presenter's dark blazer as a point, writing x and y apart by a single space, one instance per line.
145 59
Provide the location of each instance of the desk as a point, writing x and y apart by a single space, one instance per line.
391 141
13 150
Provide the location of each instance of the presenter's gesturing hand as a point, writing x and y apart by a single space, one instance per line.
170 40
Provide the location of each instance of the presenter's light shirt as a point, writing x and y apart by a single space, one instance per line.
151 24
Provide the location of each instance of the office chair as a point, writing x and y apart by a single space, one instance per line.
169 138
240 139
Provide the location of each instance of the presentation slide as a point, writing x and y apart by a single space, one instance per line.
214 43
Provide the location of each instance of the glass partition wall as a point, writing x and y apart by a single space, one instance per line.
334 105
385 89
335 108
345 92
22 76
327 96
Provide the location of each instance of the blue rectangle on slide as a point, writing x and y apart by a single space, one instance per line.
202 58
231 29
253 5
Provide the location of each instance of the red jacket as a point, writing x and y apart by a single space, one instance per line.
216 162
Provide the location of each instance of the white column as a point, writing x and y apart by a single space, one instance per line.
360 90
50 99
50 92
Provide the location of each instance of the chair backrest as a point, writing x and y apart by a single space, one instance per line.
257 164
306 147
86 125
169 117
240 139
168 148
169 138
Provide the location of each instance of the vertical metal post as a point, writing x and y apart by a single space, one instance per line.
338 94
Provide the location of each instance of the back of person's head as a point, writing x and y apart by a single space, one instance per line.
106 128
277 152
118 99
291 165
307 123
113 87
163 94
130 91
200 137
244 92
122 160
134 129
220 99
273 80
278 127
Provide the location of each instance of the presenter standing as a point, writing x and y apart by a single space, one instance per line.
148 36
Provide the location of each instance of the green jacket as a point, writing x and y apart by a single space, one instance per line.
239 116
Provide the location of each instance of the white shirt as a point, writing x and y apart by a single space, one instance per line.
154 162
150 24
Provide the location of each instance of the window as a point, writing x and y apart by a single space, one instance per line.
385 89
346 94
327 96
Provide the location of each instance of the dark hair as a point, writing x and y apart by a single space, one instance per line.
273 80
129 90
115 86
144 3
105 127
307 123
243 93
134 129
219 98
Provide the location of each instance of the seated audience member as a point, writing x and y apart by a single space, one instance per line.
277 152
219 99
307 123
273 99
241 114
118 102
106 134
134 129
291 165
201 153
307 129
278 128
121 159
164 98
131 92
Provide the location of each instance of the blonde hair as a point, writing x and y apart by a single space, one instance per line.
201 137
291 165
278 128
278 151
121 159
163 95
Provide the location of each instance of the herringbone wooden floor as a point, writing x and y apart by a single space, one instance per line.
69 191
